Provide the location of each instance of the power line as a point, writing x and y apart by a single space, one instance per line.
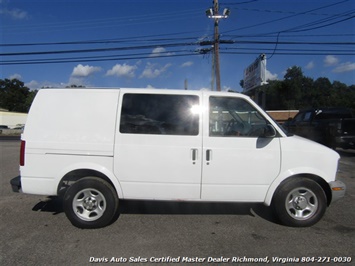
308 26
174 40
92 59
116 22
166 53
287 17
181 53
311 25
287 53
101 41
240 3
296 43
283 12
292 50
138 39
290 35
96 49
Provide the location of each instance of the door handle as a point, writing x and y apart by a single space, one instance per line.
208 155
193 155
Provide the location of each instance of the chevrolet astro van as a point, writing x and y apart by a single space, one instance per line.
97 146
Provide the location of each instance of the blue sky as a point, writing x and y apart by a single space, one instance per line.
146 43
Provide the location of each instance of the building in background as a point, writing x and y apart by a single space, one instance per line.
12 120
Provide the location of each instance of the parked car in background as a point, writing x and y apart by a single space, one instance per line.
333 127
19 127
3 127
344 134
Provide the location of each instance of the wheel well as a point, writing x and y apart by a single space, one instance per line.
75 175
320 181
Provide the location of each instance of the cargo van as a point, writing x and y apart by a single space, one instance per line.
95 147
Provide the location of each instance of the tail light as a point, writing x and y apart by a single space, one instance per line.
22 153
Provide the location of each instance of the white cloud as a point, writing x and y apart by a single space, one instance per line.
150 86
159 51
344 67
32 85
35 85
310 65
153 70
14 13
15 76
122 71
84 71
75 80
187 64
270 76
331 60
226 88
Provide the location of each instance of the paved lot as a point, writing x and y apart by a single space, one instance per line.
35 231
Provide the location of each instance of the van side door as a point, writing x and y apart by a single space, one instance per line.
241 155
158 147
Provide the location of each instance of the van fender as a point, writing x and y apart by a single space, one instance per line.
301 171
89 166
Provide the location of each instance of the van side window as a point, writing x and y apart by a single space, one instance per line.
234 117
159 114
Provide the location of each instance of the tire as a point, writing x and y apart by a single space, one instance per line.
299 202
90 203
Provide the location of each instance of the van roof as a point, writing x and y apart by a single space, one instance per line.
150 90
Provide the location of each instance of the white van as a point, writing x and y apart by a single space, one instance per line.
96 146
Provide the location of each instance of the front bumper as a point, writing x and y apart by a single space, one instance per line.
16 184
338 189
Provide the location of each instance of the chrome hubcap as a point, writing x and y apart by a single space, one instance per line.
89 204
301 203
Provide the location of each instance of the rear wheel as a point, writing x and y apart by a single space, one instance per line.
90 202
299 202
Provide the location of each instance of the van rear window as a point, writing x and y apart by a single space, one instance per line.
159 114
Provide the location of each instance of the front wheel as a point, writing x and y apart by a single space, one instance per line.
299 202
90 203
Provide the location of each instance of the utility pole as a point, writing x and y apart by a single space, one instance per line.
216 47
214 13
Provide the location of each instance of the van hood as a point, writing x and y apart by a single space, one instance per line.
306 156
307 145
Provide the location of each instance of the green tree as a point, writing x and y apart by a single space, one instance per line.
75 86
324 91
30 97
307 93
340 94
273 92
293 87
241 83
297 91
351 98
14 96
